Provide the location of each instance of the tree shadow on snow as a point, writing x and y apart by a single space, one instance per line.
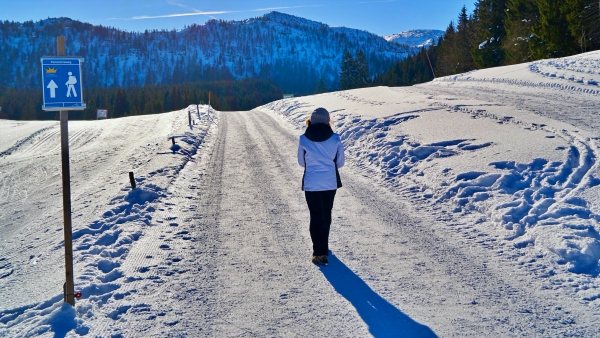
383 319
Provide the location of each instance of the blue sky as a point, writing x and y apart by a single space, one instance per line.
381 17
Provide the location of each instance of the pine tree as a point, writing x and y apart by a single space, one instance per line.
445 46
521 17
354 71
347 71
321 86
28 111
121 103
488 33
91 111
462 44
552 34
583 18
363 79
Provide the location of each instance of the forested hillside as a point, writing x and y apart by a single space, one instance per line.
293 52
504 32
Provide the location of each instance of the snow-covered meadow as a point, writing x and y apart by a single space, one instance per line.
504 161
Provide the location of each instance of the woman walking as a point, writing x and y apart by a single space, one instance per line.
321 153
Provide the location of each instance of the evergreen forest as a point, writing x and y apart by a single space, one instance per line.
502 32
245 94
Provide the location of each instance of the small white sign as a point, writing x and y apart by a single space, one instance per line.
102 113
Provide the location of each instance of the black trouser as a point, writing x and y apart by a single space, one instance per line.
320 204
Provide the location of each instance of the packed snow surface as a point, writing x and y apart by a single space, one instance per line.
470 207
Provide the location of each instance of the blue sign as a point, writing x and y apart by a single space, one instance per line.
61 78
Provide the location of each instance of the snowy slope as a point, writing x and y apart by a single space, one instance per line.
470 207
416 38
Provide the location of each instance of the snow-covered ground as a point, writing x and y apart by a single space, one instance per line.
471 206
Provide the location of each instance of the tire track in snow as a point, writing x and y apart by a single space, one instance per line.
44 140
17 146
397 250
521 83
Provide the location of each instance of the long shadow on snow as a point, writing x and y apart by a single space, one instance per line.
383 319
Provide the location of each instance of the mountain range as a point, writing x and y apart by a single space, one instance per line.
293 52
416 38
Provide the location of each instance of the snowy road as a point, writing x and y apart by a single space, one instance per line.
469 208
248 271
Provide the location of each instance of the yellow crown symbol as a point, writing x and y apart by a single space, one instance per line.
50 71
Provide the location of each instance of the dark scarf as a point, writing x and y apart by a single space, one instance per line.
318 132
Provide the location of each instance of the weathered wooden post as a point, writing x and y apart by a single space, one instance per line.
190 117
69 290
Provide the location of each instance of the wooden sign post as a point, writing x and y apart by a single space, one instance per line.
63 91
69 289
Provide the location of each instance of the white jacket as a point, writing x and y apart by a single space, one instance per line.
317 149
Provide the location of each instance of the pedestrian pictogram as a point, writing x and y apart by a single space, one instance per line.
62 83
71 85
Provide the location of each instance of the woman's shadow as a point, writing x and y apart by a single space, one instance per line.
383 319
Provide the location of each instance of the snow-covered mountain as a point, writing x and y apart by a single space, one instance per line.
416 38
293 51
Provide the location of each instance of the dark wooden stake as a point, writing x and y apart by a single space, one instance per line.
132 180
69 287
190 117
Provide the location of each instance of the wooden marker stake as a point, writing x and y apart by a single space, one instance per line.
132 180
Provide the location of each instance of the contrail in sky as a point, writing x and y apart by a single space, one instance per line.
199 12
370 2
276 8
141 17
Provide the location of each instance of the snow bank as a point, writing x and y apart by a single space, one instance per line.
102 246
523 174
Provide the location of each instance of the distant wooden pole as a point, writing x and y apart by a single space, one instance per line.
190 117
432 72
69 289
